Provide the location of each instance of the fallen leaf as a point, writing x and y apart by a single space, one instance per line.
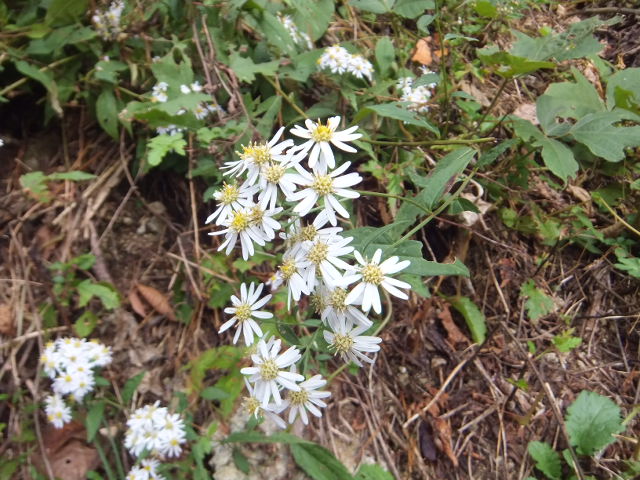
137 304
157 301
527 111
70 458
427 445
454 334
6 320
422 53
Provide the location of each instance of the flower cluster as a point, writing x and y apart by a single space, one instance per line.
147 470
299 38
285 182
107 23
69 362
339 60
417 97
160 94
154 430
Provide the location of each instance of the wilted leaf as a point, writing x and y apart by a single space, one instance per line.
422 53
137 304
157 300
6 320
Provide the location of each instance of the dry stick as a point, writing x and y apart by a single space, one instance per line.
629 11
194 213
554 407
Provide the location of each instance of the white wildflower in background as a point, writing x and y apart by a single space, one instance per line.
339 60
169 130
309 397
271 411
244 309
70 363
328 187
107 23
336 307
147 470
322 258
298 37
159 92
373 274
347 341
267 373
417 97
320 138
153 429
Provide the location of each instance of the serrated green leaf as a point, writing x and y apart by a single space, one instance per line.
547 459
623 90
626 263
373 472
246 69
591 422
85 324
36 184
598 132
412 8
318 462
160 145
107 112
474 318
538 304
130 387
565 342
399 111
105 292
94 419
107 70
510 65
385 55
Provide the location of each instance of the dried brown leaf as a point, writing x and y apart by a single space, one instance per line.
137 304
6 320
454 334
422 53
157 300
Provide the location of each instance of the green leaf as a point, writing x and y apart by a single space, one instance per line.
265 124
385 55
258 437
107 70
373 6
276 34
538 304
246 70
318 462
474 318
36 184
565 342
598 132
240 461
434 185
412 8
105 292
313 16
557 157
130 387
547 459
424 21
107 112
73 175
85 324
46 79
486 8
623 90
64 12
94 419
160 145
510 65
626 263
373 472
214 393
398 111
591 422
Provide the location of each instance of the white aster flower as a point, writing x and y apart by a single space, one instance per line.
292 271
273 176
335 58
231 197
336 307
271 411
322 258
347 341
244 309
360 67
374 274
159 92
240 225
152 428
328 187
50 360
268 374
58 413
196 87
185 89
169 130
263 220
320 138
308 398
255 155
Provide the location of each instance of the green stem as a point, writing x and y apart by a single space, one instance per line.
114 447
493 103
286 97
443 67
452 141
105 461
397 197
437 211
25 79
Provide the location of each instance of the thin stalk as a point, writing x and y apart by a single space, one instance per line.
618 217
286 97
443 67
105 461
119 465
452 141
493 103
437 211
397 197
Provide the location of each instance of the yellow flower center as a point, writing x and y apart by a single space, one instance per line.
318 303
269 370
323 184
257 214
258 154
371 273
229 194
318 253
342 343
274 172
337 298
308 233
240 221
322 133
252 404
288 268
243 312
299 398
